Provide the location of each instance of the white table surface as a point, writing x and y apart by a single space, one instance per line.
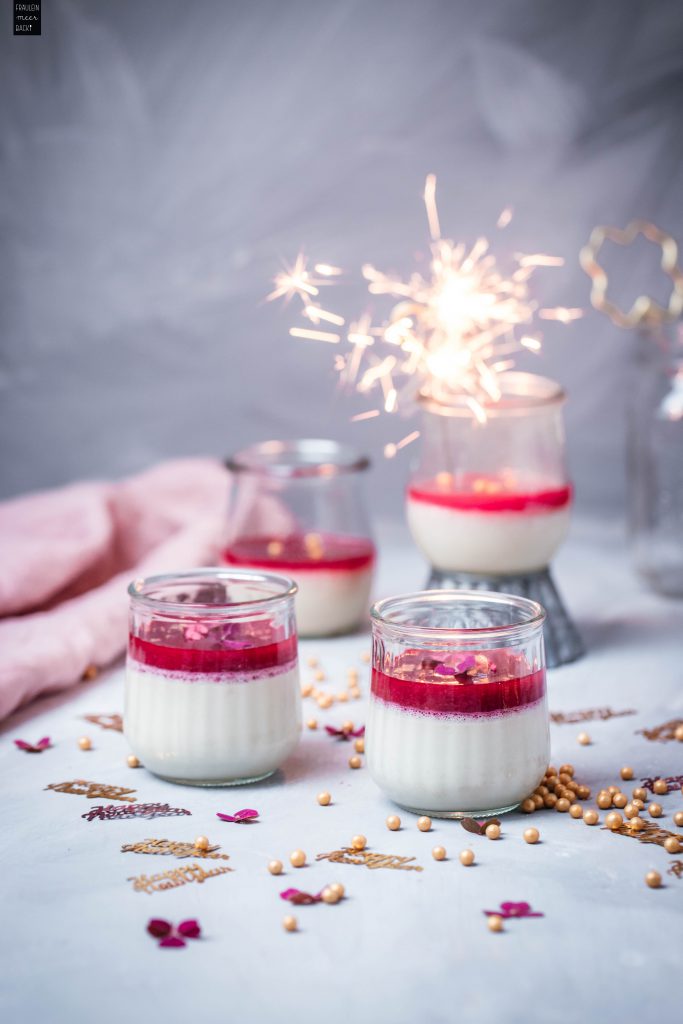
403 946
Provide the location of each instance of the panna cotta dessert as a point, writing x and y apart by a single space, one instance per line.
487 525
333 574
297 507
458 720
212 684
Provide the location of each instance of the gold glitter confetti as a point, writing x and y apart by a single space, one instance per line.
93 790
347 855
113 721
589 715
171 847
662 733
175 877
649 833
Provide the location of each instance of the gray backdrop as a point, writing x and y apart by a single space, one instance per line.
160 160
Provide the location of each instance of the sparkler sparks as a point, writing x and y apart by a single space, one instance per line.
449 334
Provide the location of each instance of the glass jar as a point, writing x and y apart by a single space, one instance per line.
656 459
458 718
212 680
492 497
297 507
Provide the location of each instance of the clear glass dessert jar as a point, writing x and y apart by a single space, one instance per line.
458 718
212 681
298 507
492 497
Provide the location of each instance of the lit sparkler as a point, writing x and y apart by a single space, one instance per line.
449 335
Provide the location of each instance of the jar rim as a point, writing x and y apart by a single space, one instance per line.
520 392
141 591
534 615
303 457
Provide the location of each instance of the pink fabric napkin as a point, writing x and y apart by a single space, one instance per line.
68 555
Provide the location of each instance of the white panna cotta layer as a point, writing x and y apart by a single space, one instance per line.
211 729
486 542
331 601
457 764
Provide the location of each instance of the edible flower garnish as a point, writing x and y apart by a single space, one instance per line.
346 731
300 898
508 910
240 817
173 936
34 748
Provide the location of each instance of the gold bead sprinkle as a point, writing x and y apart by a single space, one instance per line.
297 858
275 867
393 823
424 823
324 798
467 858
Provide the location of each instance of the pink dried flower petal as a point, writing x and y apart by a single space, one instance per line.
189 929
241 817
172 940
444 670
158 927
300 898
34 748
344 734
247 814
466 664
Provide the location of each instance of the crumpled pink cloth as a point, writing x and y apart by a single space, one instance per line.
68 555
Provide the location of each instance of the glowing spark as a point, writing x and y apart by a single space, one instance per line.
539 259
560 313
448 332
303 332
369 415
430 205
408 439
315 313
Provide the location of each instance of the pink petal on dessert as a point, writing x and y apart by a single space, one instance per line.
189 929
172 940
466 664
444 670
226 817
158 927
247 814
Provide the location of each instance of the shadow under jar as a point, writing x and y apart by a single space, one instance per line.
212 679
458 720
297 507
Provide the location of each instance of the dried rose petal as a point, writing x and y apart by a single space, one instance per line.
246 814
34 748
189 929
240 817
466 664
444 670
508 910
300 898
345 734
172 940
158 927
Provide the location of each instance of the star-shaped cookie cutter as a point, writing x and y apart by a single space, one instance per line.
644 311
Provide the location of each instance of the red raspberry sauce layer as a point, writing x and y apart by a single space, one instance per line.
336 553
197 659
459 699
500 501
